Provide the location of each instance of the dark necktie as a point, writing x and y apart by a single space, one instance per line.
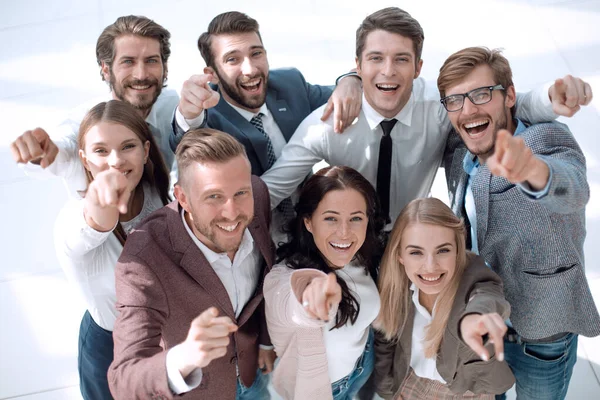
257 122
384 167
286 206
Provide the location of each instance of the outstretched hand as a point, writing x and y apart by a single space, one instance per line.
474 326
321 295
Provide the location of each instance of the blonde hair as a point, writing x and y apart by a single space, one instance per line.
205 145
394 284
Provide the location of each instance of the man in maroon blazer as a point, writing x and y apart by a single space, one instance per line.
189 283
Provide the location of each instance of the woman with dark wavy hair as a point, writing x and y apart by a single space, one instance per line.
127 180
321 297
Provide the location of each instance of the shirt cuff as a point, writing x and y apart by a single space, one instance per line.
353 73
526 188
187 124
265 347
177 383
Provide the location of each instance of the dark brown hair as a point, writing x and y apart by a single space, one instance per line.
131 25
226 23
302 252
394 20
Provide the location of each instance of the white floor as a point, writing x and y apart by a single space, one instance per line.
47 66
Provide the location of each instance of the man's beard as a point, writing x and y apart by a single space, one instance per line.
210 232
140 102
235 93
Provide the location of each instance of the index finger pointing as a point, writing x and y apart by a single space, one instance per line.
205 319
202 80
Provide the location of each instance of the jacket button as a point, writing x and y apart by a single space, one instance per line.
233 360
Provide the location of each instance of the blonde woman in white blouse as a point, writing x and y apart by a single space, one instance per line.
127 180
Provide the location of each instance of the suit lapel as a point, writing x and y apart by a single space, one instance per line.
281 113
481 193
459 180
195 263
247 130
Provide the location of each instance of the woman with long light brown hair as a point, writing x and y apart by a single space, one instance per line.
439 304
127 180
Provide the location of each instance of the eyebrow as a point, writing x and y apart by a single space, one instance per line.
239 51
421 248
122 143
337 213
126 57
377 52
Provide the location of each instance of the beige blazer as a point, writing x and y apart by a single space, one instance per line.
480 291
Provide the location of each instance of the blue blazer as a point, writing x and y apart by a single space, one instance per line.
290 99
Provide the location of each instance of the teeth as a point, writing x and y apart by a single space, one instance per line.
251 83
341 245
228 228
386 86
475 124
136 87
431 279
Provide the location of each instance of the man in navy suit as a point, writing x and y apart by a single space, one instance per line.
259 107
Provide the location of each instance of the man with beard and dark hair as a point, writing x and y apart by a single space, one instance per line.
260 107
522 190
189 284
132 54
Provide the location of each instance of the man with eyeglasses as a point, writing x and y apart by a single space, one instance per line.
399 137
522 191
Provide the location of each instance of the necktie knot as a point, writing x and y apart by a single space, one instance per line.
388 125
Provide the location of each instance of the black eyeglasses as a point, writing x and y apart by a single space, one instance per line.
477 96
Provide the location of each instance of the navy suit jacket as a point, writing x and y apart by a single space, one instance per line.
290 99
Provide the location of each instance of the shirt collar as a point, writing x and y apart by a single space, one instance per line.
471 162
248 115
211 256
415 299
374 118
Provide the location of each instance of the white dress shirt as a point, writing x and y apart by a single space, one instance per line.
345 345
239 278
67 164
419 140
423 367
89 257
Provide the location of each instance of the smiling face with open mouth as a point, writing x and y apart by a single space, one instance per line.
113 146
218 202
242 69
428 254
478 125
339 226
387 67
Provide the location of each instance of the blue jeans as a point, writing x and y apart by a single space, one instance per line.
542 370
258 390
95 355
348 386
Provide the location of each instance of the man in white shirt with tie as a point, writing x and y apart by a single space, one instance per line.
402 164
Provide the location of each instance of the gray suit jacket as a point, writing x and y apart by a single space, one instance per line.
536 246
289 98
163 282
479 292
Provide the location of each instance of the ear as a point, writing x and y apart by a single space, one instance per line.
511 97
210 70
308 224
83 159
105 71
400 259
358 69
418 68
165 73
181 197
146 151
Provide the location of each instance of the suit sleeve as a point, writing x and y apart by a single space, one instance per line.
482 291
383 373
554 144
139 366
317 94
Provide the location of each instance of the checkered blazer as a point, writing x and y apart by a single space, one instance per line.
536 246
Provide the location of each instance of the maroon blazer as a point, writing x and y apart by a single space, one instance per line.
163 282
